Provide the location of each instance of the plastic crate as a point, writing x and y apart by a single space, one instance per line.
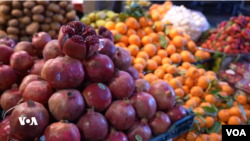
176 128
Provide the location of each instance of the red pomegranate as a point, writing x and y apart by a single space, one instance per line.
5 54
66 104
114 135
8 42
37 67
133 72
142 84
159 123
52 50
62 130
176 113
163 95
121 85
93 126
21 61
107 47
45 66
99 68
64 72
122 59
34 118
40 39
7 77
25 46
20 75
144 105
27 79
39 91
10 98
120 114
97 95
5 133
139 131
5 121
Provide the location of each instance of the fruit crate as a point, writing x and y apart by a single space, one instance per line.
176 128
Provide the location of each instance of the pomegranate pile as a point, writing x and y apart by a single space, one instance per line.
79 87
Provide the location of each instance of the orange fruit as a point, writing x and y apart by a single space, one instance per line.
191 136
120 44
151 65
186 56
130 32
210 73
207 55
201 123
143 22
140 61
181 79
157 59
191 46
247 112
154 36
140 33
159 73
243 119
148 30
205 104
128 51
211 77
134 49
131 22
189 82
192 73
175 83
199 110
203 82
150 49
172 69
132 58
214 137
185 89
186 65
173 32
155 17
162 53
110 25
134 40
235 111
202 72
170 49
146 40
166 61
186 36
121 27
196 99
161 33
165 66
141 75
168 77
223 115
148 77
226 88
191 103
223 93
175 58
210 98
123 39
158 26
242 99
209 121
179 92
142 54
178 41
197 91
138 67
200 54
234 120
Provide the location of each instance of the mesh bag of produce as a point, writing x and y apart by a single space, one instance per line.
190 22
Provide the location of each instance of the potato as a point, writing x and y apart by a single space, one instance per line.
21 25
27 12
69 7
22 32
12 30
3 34
2 20
43 2
48 20
57 18
52 33
62 12
16 4
38 18
49 13
45 27
37 9
17 13
26 20
32 28
70 15
6 17
5 9
63 4
13 23
55 26
53 7
29 4
24 38
12 36
5 2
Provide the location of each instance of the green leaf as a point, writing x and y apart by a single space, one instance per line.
166 30
214 107
201 118
117 37
238 57
214 92
177 97
162 41
210 111
186 97
134 5
229 103
190 108
201 66
241 110
197 58
137 14
215 128
197 113
216 54
153 26
209 86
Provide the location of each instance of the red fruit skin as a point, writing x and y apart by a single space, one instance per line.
20 75
7 77
93 126
133 72
5 121
64 72
60 131
65 32
121 85
39 53
39 40
141 129
66 104
27 79
8 42
39 91
10 98
122 59
120 115
45 66
163 95
52 50
107 47
5 54
114 135
99 68
37 67
25 46
29 109
5 133
176 113
77 26
144 105
97 95
159 123
92 43
142 85
21 61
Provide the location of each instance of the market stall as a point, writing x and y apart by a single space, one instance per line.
154 72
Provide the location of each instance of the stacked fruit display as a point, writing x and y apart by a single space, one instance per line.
232 37
19 20
158 11
82 88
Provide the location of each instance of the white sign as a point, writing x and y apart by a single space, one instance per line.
25 120
236 132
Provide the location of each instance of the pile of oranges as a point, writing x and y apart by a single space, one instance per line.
158 11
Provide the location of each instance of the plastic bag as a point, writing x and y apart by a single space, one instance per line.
190 22
230 76
240 67
243 85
